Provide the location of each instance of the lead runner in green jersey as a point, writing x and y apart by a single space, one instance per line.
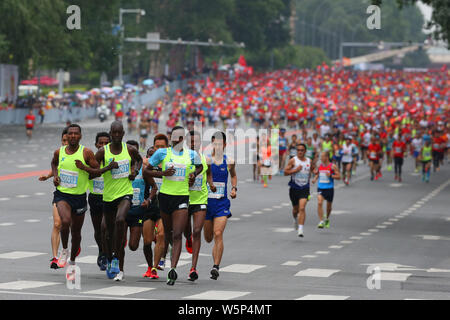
117 193
70 196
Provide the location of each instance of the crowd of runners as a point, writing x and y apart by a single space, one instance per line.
326 122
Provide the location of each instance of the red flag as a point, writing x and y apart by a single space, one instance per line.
242 61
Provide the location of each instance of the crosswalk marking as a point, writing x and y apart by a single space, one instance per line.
322 252
218 295
20 254
381 227
87 259
335 247
118 290
6 224
291 263
246 215
5 199
356 238
365 233
22 284
322 297
318 273
257 212
373 230
310 256
283 230
242 268
268 209
346 241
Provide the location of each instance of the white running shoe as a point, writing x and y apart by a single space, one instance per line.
119 276
62 260
300 233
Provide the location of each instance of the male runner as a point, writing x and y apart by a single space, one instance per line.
374 153
426 156
117 194
30 120
71 184
326 174
198 201
347 159
299 168
398 153
173 197
56 230
282 149
218 210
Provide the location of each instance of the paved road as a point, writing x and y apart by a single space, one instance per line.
401 228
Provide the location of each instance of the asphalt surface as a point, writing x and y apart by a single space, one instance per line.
404 229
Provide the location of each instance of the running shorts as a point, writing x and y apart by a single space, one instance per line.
168 203
398 161
152 213
95 204
374 161
77 203
296 194
112 206
327 194
218 208
135 216
193 208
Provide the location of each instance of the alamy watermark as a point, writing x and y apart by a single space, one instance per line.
73 22
374 20
374 280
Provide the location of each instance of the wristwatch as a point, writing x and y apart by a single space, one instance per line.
233 188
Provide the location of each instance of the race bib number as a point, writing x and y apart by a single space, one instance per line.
301 179
98 185
123 171
69 179
220 192
136 197
373 155
267 163
180 171
197 186
323 178
398 150
436 146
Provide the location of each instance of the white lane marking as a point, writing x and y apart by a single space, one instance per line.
356 238
285 204
448 219
39 194
373 230
246 215
32 220
282 230
365 233
257 212
388 223
322 297
22 166
416 206
381 227
393 219
249 180
338 212
118 291
291 263
431 237
391 276
234 219
218 295
22 196
346 241
20 254
318 273
309 256
21 284
276 207
322 252
438 270
242 268
335 247
396 185
6 224
87 259
268 209
5 199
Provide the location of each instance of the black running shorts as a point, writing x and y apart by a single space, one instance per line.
168 203
78 203
296 194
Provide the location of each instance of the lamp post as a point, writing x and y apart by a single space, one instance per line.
122 29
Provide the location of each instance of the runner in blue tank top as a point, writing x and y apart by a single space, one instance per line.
218 210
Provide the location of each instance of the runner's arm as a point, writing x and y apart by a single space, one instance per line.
54 164
47 176
151 182
337 174
136 162
93 167
232 170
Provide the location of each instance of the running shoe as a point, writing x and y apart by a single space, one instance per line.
54 263
399 179
371 178
154 274
171 277
148 273
265 185
214 273
62 260
161 265
300 233
327 223
321 225
109 274
189 244
101 262
193 275
119 276
115 265
389 168
416 170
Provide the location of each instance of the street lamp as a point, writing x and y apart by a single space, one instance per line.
122 29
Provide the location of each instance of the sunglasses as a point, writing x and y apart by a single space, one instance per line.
301 150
